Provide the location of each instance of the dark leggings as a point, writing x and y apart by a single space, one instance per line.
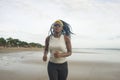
57 71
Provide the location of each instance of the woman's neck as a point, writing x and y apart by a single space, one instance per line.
57 35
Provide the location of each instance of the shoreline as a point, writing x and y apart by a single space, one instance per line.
13 50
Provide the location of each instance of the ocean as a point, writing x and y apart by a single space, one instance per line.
79 54
96 54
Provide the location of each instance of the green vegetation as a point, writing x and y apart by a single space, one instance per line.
10 42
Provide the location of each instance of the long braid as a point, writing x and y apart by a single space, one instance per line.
51 30
66 29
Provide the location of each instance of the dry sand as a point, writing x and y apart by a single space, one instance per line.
12 50
33 68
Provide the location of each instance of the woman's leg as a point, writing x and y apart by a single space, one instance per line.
63 71
52 71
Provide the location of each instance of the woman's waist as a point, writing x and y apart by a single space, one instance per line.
57 60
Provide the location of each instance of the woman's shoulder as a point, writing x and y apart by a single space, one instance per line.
48 37
66 37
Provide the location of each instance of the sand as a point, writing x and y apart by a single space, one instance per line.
29 66
15 49
94 71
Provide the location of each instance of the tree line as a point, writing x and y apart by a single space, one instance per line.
11 42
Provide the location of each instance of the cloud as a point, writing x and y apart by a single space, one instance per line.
23 36
93 21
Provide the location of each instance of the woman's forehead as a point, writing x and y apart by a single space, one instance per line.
59 22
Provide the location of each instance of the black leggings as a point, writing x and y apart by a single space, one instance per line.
57 71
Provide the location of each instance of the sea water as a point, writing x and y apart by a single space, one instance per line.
96 54
80 54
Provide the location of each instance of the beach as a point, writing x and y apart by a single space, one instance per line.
28 65
15 49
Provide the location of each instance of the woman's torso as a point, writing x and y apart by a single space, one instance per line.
57 44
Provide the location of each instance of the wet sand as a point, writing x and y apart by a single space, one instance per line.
94 71
29 66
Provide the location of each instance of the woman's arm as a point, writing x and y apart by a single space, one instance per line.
46 49
68 46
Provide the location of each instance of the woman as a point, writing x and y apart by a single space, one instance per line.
59 44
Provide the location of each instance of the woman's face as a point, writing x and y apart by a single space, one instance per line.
57 28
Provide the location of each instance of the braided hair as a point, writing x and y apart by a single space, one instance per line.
66 29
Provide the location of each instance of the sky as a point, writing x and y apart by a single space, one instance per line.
96 23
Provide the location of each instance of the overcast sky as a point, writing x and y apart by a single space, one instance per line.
96 23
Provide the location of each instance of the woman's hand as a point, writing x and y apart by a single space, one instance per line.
57 54
45 58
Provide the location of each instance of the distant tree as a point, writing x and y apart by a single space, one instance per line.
10 42
16 42
2 42
23 44
35 45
